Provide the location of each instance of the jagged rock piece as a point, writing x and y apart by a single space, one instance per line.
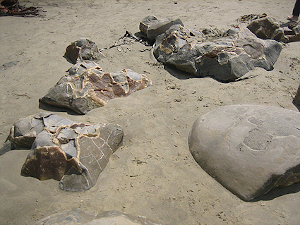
88 87
107 217
248 149
266 28
152 26
225 57
82 49
73 153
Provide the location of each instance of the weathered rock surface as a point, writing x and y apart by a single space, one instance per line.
104 218
152 26
73 153
248 149
82 49
87 87
225 56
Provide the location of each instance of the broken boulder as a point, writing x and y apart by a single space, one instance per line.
73 153
249 149
87 87
152 26
224 56
82 49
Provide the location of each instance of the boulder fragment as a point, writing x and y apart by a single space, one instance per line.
82 49
87 87
249 149
73 153
151 26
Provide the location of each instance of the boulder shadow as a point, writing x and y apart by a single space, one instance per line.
275 193
54 109
179 74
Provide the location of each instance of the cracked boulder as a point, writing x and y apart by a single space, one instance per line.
249 149
73 153
82 49
222 55
86 87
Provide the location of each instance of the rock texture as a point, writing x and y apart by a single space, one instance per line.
87 87
248 149
82 49
104 218
152 26
73 153
223 55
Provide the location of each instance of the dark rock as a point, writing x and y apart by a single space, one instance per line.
82 49
152 26
225 56
88 87
248 149
73 153
296 100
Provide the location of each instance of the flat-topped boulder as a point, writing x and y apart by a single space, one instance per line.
249 149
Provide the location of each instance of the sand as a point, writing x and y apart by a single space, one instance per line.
153 174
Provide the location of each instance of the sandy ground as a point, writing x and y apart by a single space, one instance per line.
153 174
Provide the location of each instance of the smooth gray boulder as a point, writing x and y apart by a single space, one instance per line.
151 26
87 87
73 153
222 55
248 149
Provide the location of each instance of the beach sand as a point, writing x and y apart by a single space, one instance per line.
153 174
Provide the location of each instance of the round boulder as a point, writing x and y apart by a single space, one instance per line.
248 149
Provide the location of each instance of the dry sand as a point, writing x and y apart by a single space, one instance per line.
153 174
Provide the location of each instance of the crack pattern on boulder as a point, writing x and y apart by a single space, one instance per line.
223 55
73 153
248 149
87 87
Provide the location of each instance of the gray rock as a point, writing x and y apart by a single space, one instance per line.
73 153
87 87
225 56
248 149
152 26
82 49
104 218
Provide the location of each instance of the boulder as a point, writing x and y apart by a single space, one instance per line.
249 149
86 87
225 56
82 49
73 153
152 26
